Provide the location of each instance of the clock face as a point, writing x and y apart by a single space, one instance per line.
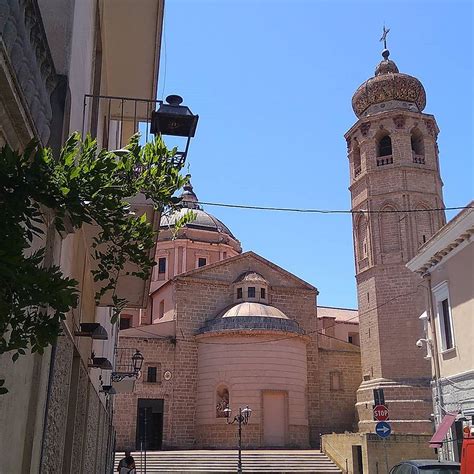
167 375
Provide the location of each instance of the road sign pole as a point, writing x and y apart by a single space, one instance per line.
385 452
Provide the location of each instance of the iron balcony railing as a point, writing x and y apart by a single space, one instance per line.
113 120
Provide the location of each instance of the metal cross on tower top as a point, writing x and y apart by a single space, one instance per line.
384 36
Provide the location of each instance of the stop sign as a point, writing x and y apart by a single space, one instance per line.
380 413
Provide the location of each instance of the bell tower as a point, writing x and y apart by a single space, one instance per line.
395 185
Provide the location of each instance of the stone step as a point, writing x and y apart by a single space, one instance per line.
258 461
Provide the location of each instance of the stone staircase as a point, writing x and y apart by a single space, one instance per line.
269 461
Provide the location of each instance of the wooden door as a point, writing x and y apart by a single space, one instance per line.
274 419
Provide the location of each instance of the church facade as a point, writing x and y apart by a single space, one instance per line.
226 329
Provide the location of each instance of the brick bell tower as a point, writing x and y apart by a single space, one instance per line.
393 157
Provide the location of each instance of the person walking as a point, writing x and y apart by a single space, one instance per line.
127 464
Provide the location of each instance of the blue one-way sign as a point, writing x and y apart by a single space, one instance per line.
383 429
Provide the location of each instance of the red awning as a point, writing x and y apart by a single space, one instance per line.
437 440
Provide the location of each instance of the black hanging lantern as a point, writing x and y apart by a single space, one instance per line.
174 119
137 360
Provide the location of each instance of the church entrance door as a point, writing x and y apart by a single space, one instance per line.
274 418
149 424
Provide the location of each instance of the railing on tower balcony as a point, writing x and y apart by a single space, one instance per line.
386 160
113 120
357 171
419 159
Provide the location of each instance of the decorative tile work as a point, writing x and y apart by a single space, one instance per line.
387 87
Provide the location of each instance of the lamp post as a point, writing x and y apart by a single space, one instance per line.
241 419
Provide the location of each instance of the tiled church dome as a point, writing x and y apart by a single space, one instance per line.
202 221
388 89
250 316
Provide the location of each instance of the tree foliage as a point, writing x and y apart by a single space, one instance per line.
40 194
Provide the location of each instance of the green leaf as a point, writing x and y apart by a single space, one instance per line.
82 185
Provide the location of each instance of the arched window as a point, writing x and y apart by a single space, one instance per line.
161 309
362 246
222 401
417 147
417 144
384 146
356 160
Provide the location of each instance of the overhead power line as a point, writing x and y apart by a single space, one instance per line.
331 211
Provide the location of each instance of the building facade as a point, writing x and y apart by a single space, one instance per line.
446 265
395 180
60 62
227 329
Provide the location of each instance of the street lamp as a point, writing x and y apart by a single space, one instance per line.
137 360
175 119
127 369
242 419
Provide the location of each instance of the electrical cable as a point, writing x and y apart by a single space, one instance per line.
330 211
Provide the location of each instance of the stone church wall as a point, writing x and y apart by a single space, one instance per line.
162 354
339 377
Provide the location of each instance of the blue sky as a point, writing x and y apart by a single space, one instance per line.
272 82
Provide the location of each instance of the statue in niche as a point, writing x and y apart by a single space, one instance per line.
222 401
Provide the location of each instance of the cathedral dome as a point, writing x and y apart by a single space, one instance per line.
388 89
251 316
254 309
202 220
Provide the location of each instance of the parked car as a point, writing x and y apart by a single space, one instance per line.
426 466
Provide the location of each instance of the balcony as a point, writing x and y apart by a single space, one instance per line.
112 121
385 160
419 159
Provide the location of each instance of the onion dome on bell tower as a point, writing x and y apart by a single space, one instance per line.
389 89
